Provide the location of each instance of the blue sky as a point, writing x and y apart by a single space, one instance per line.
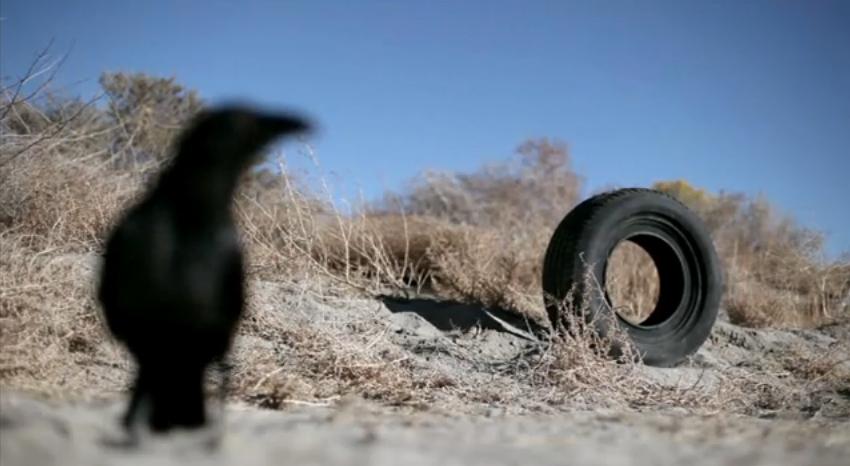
750 96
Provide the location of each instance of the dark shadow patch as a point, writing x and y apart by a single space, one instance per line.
7 422
453 315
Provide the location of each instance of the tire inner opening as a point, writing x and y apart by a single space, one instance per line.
644 280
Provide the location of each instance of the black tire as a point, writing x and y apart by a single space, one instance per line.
689 272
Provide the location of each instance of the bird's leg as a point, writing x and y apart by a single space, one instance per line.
135 408
177 396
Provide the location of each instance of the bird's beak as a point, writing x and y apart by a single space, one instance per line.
284 124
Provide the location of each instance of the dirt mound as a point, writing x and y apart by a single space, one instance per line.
418 380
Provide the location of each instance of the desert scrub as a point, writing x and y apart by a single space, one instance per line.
69 167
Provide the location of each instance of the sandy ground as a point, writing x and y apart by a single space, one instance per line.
475 348
44 433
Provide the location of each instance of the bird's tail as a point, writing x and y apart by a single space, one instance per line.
165 397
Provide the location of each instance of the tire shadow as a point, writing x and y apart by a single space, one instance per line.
448 315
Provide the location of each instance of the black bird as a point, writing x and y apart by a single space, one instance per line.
172 282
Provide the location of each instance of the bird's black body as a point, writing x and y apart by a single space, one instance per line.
172 283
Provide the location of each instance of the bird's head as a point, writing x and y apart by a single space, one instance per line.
232 137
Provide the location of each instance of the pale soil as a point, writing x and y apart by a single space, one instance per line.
45 433
479 406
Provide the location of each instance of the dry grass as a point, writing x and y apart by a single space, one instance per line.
308 362
632 282
776 271
53 339
476 237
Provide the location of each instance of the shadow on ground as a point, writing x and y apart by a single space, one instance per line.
453 315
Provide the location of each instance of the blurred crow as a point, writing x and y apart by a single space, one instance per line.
172 280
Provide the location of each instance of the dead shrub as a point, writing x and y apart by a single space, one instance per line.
61 200
776 270
632 282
